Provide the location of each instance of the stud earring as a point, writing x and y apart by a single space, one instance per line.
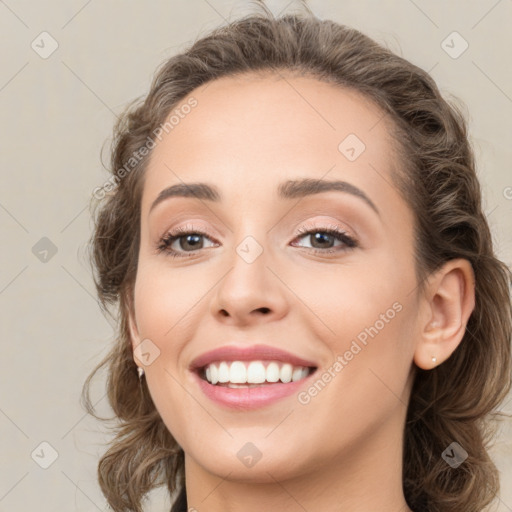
140 371
434 359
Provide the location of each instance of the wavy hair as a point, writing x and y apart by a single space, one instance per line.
455 401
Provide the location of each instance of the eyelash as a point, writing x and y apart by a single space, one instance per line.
166 241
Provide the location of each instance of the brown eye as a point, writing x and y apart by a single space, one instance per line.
322 239
185 240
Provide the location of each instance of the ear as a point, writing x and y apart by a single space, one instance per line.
448 302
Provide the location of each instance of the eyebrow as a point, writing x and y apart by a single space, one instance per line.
291 189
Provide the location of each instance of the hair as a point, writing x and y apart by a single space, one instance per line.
454 401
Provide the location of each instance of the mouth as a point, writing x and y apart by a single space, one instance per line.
250 377
251 374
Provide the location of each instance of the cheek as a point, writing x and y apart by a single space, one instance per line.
366 317
160 314
164 301
161 310
366 381
347 300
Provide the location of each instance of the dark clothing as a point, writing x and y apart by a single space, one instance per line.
180 504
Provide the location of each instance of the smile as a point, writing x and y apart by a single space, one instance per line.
237 374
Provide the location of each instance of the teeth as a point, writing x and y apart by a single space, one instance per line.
214 373
223 372
296 375
286 373
256 373
272 372
239 374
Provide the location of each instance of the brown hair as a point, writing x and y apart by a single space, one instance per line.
453 402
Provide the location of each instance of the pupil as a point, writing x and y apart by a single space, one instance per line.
196 237
321 237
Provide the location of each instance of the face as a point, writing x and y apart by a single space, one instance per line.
280 281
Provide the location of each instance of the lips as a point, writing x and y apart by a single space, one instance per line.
252 353
250 396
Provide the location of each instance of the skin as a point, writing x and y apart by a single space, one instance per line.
342 450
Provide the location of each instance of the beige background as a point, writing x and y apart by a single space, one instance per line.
57 113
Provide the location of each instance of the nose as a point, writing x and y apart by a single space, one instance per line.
251 290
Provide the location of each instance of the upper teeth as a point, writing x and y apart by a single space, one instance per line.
253 372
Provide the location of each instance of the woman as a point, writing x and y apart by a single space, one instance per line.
306 282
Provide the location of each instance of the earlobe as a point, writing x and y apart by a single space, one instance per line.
450 300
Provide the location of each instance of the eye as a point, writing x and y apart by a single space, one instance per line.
187 238
325 237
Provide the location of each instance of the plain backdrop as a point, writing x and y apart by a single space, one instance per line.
68 68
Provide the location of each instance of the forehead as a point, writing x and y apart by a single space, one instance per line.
250 132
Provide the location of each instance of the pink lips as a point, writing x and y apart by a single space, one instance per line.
248 397
253 353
